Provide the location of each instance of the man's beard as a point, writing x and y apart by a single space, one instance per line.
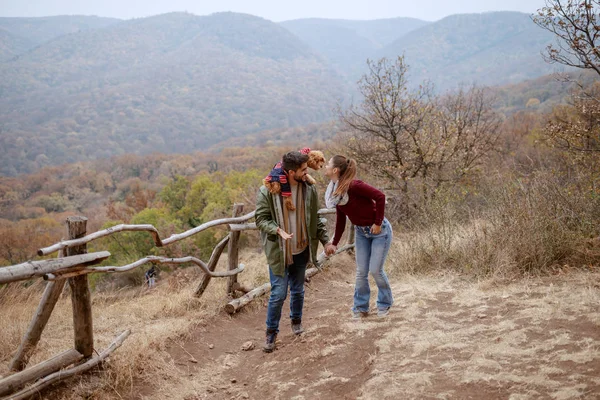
302 179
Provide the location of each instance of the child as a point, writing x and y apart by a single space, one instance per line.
277 181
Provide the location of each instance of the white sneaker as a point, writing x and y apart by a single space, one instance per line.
359 314
383 313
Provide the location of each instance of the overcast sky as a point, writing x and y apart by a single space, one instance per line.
275 10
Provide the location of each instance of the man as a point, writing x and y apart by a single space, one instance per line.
290 240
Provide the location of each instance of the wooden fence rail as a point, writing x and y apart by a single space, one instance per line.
18 380
137 228
235 221
77 264
37 269
236 304
67 373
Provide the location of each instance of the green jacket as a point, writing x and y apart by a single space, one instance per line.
267 223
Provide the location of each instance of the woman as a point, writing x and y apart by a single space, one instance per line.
365 206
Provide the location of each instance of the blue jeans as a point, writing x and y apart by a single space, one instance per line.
294 277
371 251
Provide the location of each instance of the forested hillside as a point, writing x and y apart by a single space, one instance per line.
18 35
86 88
488 49
170 83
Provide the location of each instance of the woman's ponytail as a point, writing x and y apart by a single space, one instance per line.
347 168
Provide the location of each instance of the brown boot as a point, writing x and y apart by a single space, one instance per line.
270 339
297 327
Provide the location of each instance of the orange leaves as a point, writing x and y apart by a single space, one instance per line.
20 240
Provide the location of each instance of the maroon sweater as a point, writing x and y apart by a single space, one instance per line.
365 207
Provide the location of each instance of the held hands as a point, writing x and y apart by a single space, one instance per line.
284 234
330 249
376 229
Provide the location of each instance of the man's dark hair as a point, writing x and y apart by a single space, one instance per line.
294 160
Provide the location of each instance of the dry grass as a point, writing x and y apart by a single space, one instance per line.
522 229
157 318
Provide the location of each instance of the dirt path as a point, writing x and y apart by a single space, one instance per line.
445 338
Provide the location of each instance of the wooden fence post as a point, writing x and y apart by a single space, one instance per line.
80 293
351 233
212 264
233 250
38 323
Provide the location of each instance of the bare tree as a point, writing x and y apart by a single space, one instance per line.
576 24
411 138
576 127
466 130
386 132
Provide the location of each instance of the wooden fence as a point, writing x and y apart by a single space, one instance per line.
73 264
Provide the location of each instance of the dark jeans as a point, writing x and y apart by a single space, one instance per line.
293 277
